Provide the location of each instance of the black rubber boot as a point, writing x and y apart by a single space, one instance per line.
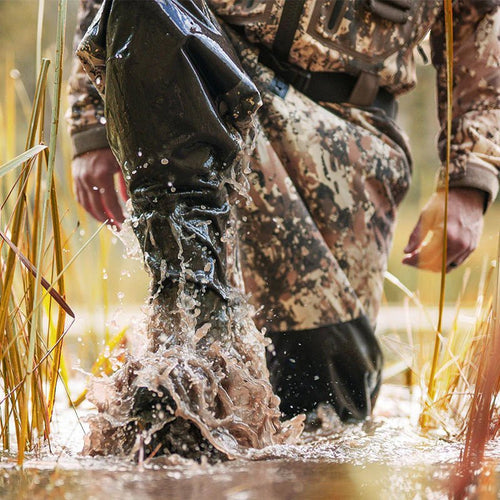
339 364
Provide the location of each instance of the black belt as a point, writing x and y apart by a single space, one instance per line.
332 86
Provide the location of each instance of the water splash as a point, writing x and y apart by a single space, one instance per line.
196 384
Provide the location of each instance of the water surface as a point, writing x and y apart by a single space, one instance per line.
384 458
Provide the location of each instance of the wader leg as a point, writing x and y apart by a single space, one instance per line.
315 241
178 110
338 364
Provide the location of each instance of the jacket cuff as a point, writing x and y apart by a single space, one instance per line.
479 175
89 140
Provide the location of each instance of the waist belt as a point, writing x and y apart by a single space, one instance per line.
332 87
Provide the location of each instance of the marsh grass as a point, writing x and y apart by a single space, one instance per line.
32 267
465 348
35 238
464 377
33 319
431 387
27 371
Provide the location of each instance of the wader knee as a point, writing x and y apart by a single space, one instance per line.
339 364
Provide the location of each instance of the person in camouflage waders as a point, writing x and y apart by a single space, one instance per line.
329 169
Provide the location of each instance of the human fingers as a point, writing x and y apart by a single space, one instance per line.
97 206
415 239
110 202
93 175
84 200
428 220
429 255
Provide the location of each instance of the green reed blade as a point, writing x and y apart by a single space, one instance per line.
21 159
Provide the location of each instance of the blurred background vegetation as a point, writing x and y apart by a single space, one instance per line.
103 284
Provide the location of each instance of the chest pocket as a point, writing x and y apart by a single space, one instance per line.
242 11
353 29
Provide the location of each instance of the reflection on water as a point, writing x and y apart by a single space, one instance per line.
264 480
382 458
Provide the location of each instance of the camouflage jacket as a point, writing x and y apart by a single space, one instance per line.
349 36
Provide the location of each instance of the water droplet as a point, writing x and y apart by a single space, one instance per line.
164 161
139 153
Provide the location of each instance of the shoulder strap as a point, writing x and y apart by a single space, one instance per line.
289 22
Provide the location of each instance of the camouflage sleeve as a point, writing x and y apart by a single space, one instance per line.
475 141
86 112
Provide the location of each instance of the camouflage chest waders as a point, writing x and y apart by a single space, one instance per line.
326 179
314 240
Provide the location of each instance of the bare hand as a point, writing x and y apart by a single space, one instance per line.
93 178
465 224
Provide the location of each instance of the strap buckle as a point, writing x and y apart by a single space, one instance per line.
300 79
293 75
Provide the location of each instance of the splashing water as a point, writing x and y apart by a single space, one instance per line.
190 387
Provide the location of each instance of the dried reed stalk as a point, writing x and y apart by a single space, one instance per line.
431 390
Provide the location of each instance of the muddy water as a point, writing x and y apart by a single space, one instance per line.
382 458
276 480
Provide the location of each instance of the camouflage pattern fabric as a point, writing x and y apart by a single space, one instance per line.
85 115
353 39
325 185
336 35
326 180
